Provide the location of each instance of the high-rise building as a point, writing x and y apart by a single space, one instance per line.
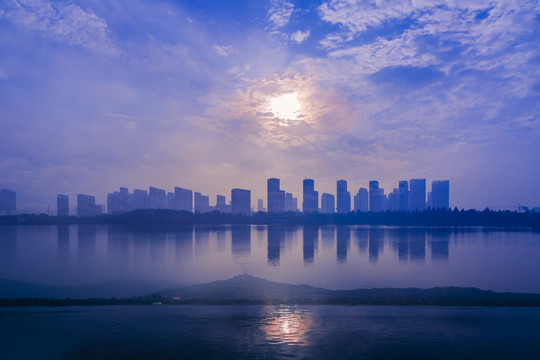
158 198
290 202
276 197
241 201
403 200
202 203
361 200
62 205
141 200
183 199
343 197
328 204
86 206
221 205
260 205
119 201
310 201
417 194
440 194
171 201
393 200
376 197
8 201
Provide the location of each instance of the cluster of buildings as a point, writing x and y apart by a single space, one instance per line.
408 196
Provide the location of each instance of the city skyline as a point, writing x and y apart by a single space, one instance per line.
94 94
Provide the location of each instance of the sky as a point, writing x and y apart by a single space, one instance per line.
213 95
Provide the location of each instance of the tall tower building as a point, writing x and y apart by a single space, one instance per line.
62 205
417 195
276 196
183 199
440 194
376 197
361 200
328 204
403 196
310 202
343 197
241 201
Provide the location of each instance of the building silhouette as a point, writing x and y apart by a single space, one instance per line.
119 201
361 200
62 205
276 196
260 205
8 201
202 203
141 200
403 201
310 201
241 201
393 200
377 198
158 198
86 206
440 194
328 204
291 203
183 199
417 195
343 197
221 204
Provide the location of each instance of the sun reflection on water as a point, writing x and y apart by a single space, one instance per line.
287 325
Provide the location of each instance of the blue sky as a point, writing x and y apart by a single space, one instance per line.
100 94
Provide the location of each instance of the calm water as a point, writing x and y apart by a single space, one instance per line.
270 332
334 257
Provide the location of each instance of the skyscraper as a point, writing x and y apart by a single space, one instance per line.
260 205
86 206
361 200
310 201
202 203
241 201
376 197
141 200
403 199
62 205
440 194
276 197
343 197
328 204
158 198
417 194
183 199
221 204
291 203
393 200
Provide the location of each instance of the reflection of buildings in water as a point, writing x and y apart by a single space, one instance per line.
417 245
342 243
310 243
276 242
328 234
118 246
62 243
140 248
8 245
221 240
183 246
376 244
260 230
287 325
241 240
158 248
86 243
288 239
202 241
403 245
361 236
440 245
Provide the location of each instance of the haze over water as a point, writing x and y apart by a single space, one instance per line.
334 257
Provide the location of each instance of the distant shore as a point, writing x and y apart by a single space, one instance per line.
159 217
249 290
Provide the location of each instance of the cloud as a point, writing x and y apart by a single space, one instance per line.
62 22
223 50
280 13
300 36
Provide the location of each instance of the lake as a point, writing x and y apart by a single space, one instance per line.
333 257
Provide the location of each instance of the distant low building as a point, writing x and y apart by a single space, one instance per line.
86 206
62 205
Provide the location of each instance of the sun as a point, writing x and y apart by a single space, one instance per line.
286 106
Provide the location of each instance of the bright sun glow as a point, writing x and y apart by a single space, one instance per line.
286 106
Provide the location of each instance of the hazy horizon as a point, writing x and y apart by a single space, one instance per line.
211 96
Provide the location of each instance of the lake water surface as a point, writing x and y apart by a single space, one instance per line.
334 257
